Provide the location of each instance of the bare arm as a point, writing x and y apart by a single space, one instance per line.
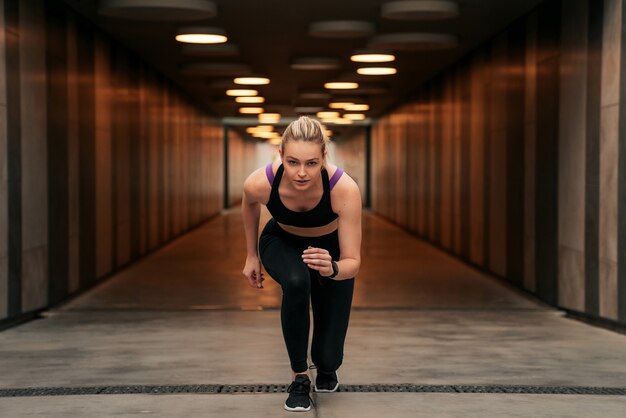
349 230
251 211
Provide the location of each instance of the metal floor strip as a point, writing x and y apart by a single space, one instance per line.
282 388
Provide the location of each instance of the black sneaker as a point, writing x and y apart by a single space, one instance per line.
299 399
326 382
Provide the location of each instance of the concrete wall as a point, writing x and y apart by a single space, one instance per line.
101 159
514 159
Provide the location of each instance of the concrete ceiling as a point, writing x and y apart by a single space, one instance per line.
270 33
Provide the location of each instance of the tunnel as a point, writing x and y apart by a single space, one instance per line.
484 141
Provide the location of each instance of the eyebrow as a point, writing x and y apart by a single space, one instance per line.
294 158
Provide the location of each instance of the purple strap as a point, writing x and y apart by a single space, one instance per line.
335 178
269 173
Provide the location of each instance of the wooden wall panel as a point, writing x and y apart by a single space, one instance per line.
525 138
101 158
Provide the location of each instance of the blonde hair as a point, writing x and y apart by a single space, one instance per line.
306 129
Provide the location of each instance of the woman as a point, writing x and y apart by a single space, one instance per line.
311 247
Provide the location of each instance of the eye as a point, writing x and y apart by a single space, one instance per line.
291 162
312 163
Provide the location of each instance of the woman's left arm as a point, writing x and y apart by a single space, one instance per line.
349 228
346 204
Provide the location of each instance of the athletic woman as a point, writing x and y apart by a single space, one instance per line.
310 247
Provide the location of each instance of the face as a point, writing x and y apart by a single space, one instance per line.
303 163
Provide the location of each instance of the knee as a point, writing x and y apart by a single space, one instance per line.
296 281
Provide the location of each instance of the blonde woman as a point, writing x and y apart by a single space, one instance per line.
311 247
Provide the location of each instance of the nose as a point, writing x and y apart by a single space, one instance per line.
301 172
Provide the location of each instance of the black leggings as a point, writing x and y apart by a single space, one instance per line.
281 255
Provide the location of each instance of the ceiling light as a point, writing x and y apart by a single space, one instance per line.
260 128
201 35
160 10
251 110
250 99
341 121
341 29
266 135
327 115
339 105
372 57
269 117
376 71
275 141
315 63
241 92
341 85
420 9
354 116
410 41
357 108
252 81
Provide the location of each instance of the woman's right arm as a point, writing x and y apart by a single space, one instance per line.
251 211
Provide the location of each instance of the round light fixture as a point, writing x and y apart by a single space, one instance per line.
420 10
341 29
376 71
364 56
341 85
250 99
354 116
315 63
339 105
241 92
269 117
327 115
342 121
159 10
260 128
357 108
201 35
251 110
252 81
412 41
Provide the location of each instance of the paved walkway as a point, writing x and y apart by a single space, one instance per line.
183 322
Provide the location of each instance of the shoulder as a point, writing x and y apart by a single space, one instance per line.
257 186
346 192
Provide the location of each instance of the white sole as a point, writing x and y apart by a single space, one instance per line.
327 390
297 408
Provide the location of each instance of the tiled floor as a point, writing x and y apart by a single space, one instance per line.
185 315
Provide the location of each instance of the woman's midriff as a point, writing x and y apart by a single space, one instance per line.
317 231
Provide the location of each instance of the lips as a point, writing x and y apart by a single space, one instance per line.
301 181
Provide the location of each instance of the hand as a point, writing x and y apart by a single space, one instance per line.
318 259
253 272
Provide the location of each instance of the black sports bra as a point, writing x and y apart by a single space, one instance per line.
322 214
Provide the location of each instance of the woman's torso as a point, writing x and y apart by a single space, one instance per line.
309 214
